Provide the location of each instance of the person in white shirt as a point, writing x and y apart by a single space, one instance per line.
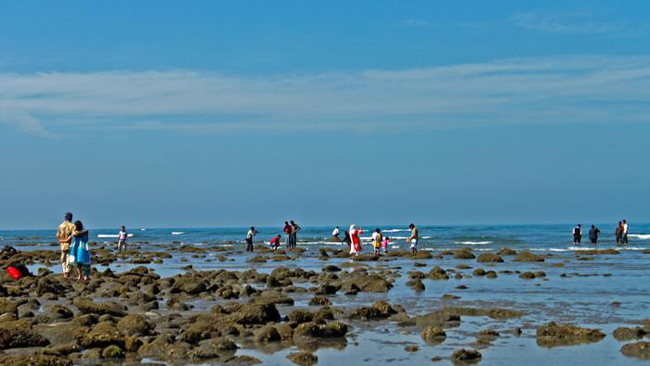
577 234
336 232
625 231
249 239
121 239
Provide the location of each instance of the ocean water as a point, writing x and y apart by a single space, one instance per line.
537 238
605 292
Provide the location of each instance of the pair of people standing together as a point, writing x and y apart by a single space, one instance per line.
291 229
75 253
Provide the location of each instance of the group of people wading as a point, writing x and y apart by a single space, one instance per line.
620 233
353 239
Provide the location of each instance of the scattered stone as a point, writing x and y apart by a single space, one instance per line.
637 350
555 335
303 358
433 335
628 334
489 258
466 356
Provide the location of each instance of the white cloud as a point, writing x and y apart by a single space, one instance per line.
568 23
548 90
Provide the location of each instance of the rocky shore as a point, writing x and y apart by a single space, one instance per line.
208 316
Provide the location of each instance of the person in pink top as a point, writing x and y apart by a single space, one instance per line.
385 243
355 248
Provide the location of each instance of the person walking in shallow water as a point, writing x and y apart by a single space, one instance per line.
625 229
577 234
64 235
619 233
294 234
593 234
413 238
249 238
287 232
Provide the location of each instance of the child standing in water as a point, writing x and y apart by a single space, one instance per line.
385 244
376 241
121 239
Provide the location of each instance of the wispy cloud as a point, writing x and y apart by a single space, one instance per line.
567 23
416 23
544 90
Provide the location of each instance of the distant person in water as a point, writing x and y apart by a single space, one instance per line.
249 238
577 234
80 252
64 235
275 242
413 238
385 244
593 234
336 232
376 241
355 246
294 234
287 232
121 239
619 233
625 230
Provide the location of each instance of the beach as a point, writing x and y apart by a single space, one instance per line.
516 294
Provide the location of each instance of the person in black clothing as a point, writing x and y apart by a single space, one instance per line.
593 234
577 234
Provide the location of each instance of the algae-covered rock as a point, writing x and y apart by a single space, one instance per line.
303 358
555 335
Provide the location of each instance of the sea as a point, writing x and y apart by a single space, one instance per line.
536 238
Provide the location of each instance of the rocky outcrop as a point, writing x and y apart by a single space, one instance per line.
554 335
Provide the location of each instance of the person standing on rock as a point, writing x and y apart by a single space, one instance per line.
64 235
413 238
249 238
121 239
577 234
593 234
287 232
294 234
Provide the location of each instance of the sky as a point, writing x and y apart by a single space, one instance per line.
237 113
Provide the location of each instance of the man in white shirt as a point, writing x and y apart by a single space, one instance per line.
336 232
249 239
624 231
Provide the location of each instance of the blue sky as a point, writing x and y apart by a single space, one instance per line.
219 113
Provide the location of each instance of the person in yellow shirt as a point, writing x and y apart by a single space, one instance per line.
376 241
64 235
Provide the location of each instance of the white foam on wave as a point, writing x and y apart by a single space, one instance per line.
473 242
178 232
640 236
112 235
426 237
394 230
